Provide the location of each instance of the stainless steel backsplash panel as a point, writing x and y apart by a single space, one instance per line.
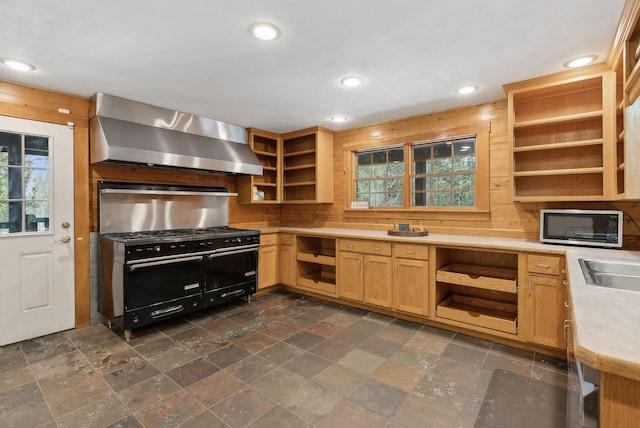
178 208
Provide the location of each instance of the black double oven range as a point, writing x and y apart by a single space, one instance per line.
153 275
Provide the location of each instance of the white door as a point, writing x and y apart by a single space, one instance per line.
36 229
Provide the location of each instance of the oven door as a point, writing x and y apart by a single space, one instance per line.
159 289
230 273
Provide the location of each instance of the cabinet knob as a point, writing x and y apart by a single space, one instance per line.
543 265
376 249
566 304
565 282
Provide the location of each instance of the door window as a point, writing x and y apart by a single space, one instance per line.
25 183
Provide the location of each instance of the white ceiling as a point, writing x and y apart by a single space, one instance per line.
197 56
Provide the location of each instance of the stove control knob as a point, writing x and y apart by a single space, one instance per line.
136 318
156 248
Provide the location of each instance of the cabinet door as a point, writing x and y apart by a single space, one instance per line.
350 279
287 265
378 281
267 266
545 300
410 285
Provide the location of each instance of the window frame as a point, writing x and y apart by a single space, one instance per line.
481 186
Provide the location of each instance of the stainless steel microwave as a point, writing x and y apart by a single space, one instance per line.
592 228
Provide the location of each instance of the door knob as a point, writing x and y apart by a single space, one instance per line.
65 239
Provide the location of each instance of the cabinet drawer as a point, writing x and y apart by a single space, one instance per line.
410 251
549 265
268 239
286 239
369 247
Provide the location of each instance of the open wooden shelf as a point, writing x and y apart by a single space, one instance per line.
299 153
568 171
563 145
297 167
322 256
486 277
560 126
261 153
558 119
480 312
302 183
318 281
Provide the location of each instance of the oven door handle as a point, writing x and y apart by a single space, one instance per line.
232 252
165 262
168 311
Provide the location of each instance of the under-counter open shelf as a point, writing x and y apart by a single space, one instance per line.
476 289
316 263
489 314
317 278
486 277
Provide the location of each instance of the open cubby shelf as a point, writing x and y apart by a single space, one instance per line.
486 277
480 312
477 288
559 128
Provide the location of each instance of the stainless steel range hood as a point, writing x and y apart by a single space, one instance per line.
129 132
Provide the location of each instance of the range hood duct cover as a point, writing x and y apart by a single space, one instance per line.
129 132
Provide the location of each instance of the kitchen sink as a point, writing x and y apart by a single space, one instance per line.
611 273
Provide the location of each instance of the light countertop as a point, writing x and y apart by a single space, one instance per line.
606 328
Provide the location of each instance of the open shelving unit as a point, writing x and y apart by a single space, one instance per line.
316 264
305 154
632 63
268 149
477 290
560 129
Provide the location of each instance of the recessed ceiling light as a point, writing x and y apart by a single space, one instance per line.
339 119
17 64
580 62
467 90
352 81
264 31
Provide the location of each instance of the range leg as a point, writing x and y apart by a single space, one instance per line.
127 335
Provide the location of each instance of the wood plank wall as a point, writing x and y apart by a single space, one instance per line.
505 218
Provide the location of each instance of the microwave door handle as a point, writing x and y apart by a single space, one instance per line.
165 262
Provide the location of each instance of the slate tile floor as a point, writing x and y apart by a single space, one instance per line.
283 360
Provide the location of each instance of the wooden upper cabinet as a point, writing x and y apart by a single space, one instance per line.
632 57
308 166
298 168
562 135
265 188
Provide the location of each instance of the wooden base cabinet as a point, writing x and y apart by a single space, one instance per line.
364 272
545 297
411 279
350 276
268 260
377 281
287 259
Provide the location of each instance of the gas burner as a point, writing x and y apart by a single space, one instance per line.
175 235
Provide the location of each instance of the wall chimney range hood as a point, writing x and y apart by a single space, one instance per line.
127 132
